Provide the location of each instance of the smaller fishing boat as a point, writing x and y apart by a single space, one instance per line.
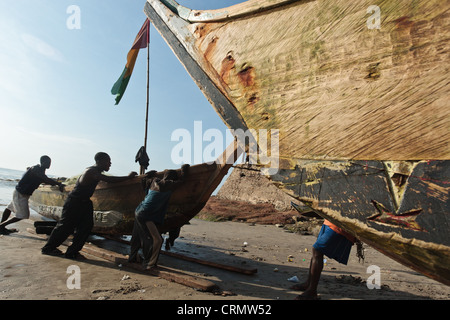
115 203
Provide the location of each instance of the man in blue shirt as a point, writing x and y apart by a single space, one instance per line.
30 181
150 214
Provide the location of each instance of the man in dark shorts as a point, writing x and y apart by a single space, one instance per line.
333 242
29 182
77 214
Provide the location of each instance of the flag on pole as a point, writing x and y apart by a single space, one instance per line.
141 41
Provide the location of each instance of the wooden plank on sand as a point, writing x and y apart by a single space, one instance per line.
162 272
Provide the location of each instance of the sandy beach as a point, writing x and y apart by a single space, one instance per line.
278 255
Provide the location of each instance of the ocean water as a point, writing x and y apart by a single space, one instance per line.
8 181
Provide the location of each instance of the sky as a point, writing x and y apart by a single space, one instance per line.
56 75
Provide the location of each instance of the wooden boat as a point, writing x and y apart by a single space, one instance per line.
359 94
115 203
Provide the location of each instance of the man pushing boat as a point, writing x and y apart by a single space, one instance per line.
336 244
30 181
150 213
77 214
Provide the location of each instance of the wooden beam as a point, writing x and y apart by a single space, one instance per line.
162 272
247 271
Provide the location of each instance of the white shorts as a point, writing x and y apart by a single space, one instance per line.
19 205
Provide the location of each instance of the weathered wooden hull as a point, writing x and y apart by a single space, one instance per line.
360 111
356 196
115 203
334 88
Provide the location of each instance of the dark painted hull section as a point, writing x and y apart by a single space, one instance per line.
356 197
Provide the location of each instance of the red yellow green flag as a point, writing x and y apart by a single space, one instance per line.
141 41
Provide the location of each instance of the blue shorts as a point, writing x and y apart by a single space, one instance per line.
333 245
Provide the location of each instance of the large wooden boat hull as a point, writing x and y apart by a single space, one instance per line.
115 203
362 111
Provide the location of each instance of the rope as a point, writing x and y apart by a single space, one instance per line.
360 251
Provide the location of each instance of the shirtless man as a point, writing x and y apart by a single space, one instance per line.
77 214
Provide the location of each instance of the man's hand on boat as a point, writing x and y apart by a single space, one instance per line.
151 174
132 174
113 179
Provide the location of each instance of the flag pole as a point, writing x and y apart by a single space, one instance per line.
148 96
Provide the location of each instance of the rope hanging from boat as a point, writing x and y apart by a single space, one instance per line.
360 251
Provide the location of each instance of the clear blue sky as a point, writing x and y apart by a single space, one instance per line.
55 87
